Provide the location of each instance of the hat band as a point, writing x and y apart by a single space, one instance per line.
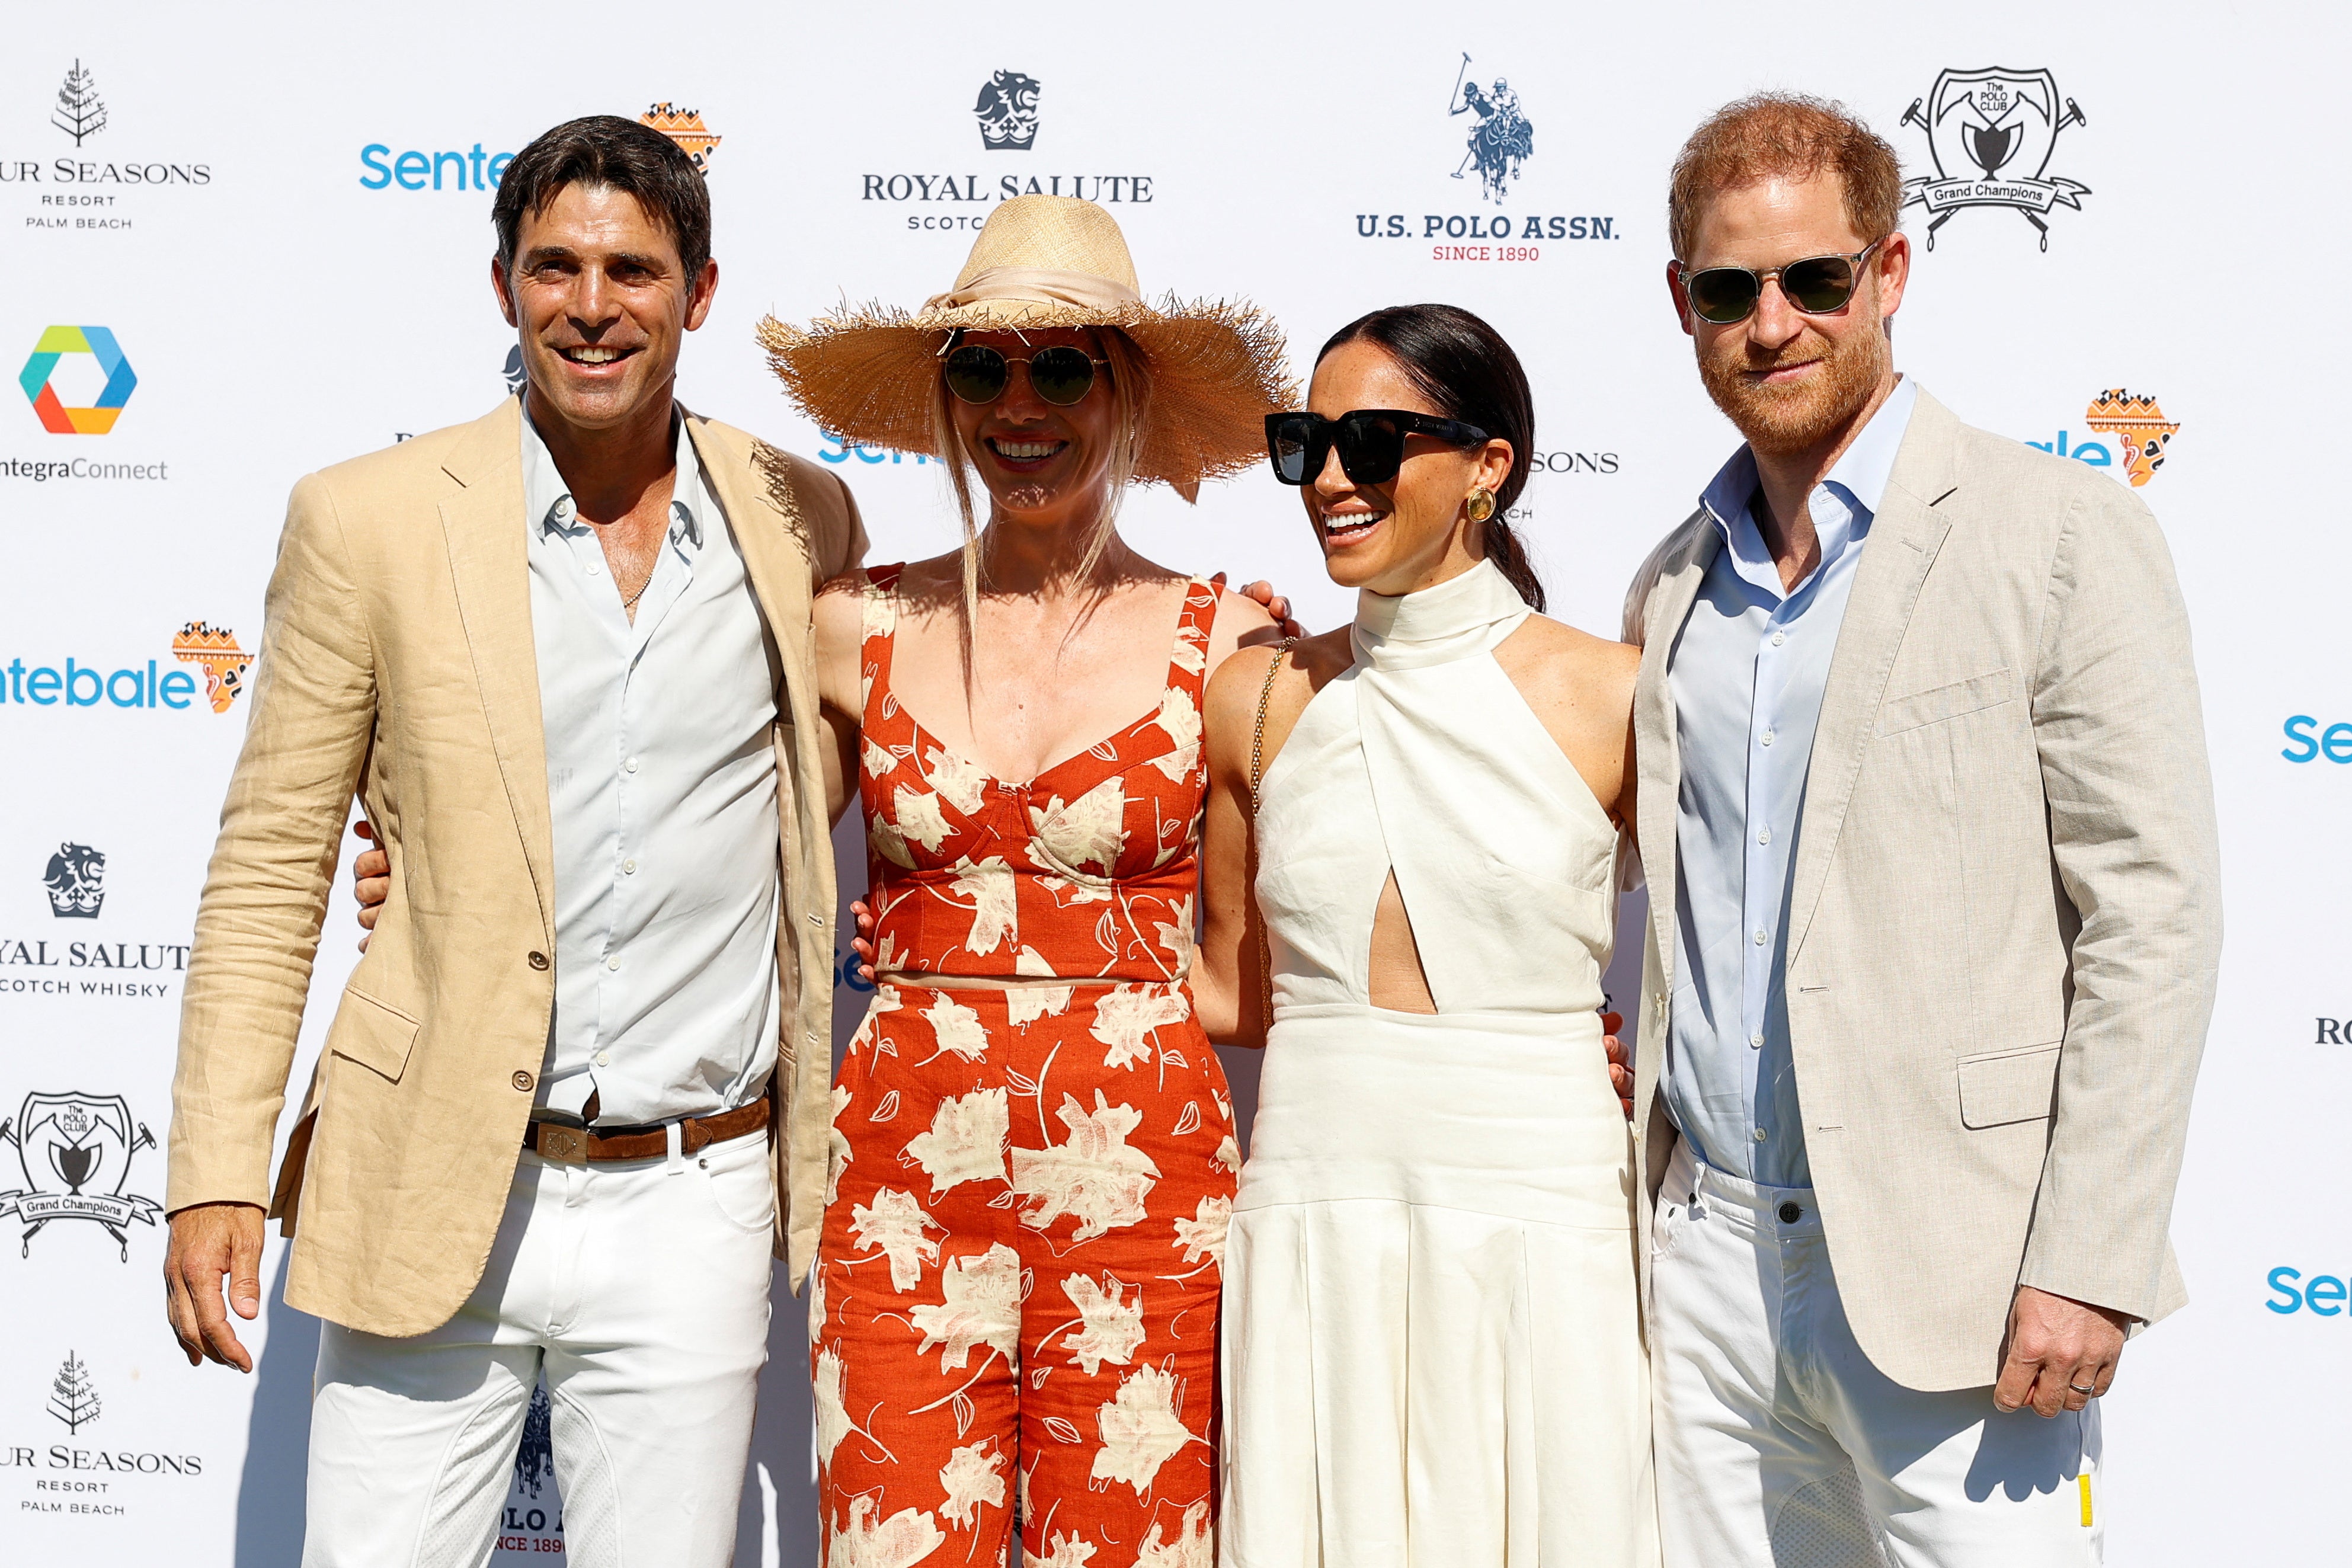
1038 286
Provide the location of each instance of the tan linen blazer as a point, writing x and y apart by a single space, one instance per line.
2005 919
397 662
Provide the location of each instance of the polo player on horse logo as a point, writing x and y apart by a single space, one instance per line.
1503 139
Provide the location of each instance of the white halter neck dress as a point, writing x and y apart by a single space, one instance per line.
1433 1354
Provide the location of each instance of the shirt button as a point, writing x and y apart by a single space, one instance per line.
563 506
630 767
603 1059
1761 938
1790 1213
1764 835
523 1081
1780 637
628 868
537 960
1768 737
1756 1040
614 961
593 569
1760 1135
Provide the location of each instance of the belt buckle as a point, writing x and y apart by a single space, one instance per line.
557 1141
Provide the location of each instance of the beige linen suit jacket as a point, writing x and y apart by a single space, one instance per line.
397 662
2005 919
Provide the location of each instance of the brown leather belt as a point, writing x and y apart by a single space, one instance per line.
554 1140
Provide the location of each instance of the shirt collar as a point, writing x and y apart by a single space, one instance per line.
1857 483
548 499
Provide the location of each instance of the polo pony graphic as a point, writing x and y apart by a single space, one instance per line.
1990 133
1503 139
75 1150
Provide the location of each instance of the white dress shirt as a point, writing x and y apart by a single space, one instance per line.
661 788
1747 671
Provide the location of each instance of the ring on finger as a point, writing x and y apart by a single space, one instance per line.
2089 1392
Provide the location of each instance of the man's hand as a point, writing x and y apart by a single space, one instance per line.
208 1241
2057 1349
1276 604
371 880
1620 1077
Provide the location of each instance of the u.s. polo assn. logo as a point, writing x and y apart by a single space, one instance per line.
75 1149
1990 133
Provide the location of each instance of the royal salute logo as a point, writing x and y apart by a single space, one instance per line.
75 1149
1007 112
50 350
2135 425
80 112
76 880
1501 138
685 127
1991 133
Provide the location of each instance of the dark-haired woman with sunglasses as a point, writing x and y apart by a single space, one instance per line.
1433 1343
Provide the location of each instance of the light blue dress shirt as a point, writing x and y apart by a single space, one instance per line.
1747 673
661 784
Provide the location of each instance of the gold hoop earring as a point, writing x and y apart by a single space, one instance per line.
1482 505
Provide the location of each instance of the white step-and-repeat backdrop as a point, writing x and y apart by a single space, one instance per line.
246 241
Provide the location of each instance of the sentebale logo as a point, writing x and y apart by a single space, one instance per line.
55 344
2133 421
685 127
2002 124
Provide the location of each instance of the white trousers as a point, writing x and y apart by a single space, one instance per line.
639 1288
1780 1446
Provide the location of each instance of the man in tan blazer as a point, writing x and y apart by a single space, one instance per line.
1935 917
575 1094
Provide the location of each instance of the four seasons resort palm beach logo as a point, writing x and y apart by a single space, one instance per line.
1990 133
80 112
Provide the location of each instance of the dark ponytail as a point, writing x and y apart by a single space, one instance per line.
1467 372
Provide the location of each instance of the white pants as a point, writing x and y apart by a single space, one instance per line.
640 1289
1780 1446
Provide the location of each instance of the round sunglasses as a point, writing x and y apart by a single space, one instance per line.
1370 442
1060 375
1723 296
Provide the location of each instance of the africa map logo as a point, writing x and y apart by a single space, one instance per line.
55 344
685 127
2004 124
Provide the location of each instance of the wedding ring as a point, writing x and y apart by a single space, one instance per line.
2079 1389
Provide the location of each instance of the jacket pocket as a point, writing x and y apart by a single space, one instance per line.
2002 1087
373 1033
1938 703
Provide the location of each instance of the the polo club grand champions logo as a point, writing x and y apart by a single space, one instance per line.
1007 112
76 879
2003 125
214 650
1501 141
76 1152
80 112
685 127
54 344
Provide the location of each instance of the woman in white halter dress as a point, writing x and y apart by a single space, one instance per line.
1432 1344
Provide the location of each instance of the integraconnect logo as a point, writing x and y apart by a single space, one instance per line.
76 880
1501 143
211 650
81 190
1007 114
1991 133
685 127
51 348
2133 422
75 1149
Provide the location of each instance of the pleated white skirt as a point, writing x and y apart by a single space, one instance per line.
1432 1339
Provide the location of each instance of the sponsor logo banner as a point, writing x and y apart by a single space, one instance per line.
75 1149
1991 133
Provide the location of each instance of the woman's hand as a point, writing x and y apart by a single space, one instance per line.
1276 604
863 942
371 880
1620 1077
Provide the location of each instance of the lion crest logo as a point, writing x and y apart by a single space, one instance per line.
1007 112
77 882
75 1149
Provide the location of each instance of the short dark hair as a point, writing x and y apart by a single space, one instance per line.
1468 373
619 155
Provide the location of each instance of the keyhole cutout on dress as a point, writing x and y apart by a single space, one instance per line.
1396 979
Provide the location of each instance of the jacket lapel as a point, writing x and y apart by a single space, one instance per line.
489 563
765 521
1904 540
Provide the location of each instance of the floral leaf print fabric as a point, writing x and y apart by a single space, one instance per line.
1014 1313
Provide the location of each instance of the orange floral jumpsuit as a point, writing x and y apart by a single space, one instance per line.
1014 1314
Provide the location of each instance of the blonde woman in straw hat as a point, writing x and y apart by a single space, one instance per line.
1014 1312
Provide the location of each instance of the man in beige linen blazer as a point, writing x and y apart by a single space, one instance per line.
562 656
1993 957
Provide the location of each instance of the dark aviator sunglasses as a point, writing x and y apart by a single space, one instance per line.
1722 296
1370 442
1061 376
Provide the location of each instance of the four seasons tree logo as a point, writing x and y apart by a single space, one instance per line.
73 1398
80 112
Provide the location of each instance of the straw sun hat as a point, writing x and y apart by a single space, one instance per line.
872 374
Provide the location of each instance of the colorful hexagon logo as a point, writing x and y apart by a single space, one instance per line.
55 344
